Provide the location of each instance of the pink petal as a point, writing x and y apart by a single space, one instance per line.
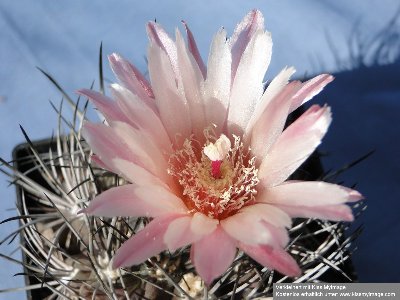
308 193
309 89
136 174
98 162
247 86
340 212
134 201
178 233
272 121
280 236
294 146
202 225
142 116
126 143
194 50
268 213
105 105
105 144
253 227
274 88
192 81
159 37
131 78
213 255
217 87
144 152
273 258
242 35
187 230
144 244
169 98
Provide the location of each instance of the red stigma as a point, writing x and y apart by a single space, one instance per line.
216 169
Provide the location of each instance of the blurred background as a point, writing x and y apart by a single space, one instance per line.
358 41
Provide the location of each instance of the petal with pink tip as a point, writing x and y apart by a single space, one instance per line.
273 258
159 37
131 78
213 255
243 34
340 212
308 193
194 50
217 86
249 228
169 98
294 146
274 88
144 244
309 89
142 116
192 80
134 201
105 105
272 121
247 86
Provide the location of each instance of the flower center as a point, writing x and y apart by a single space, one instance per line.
216 179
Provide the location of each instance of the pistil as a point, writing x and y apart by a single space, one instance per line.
217 152
216 169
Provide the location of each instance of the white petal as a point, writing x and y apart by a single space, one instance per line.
273 89
247 86
192 80
217 86
243 34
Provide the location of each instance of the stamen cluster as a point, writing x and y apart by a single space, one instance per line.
218 197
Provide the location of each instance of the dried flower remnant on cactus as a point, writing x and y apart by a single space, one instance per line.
206 152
